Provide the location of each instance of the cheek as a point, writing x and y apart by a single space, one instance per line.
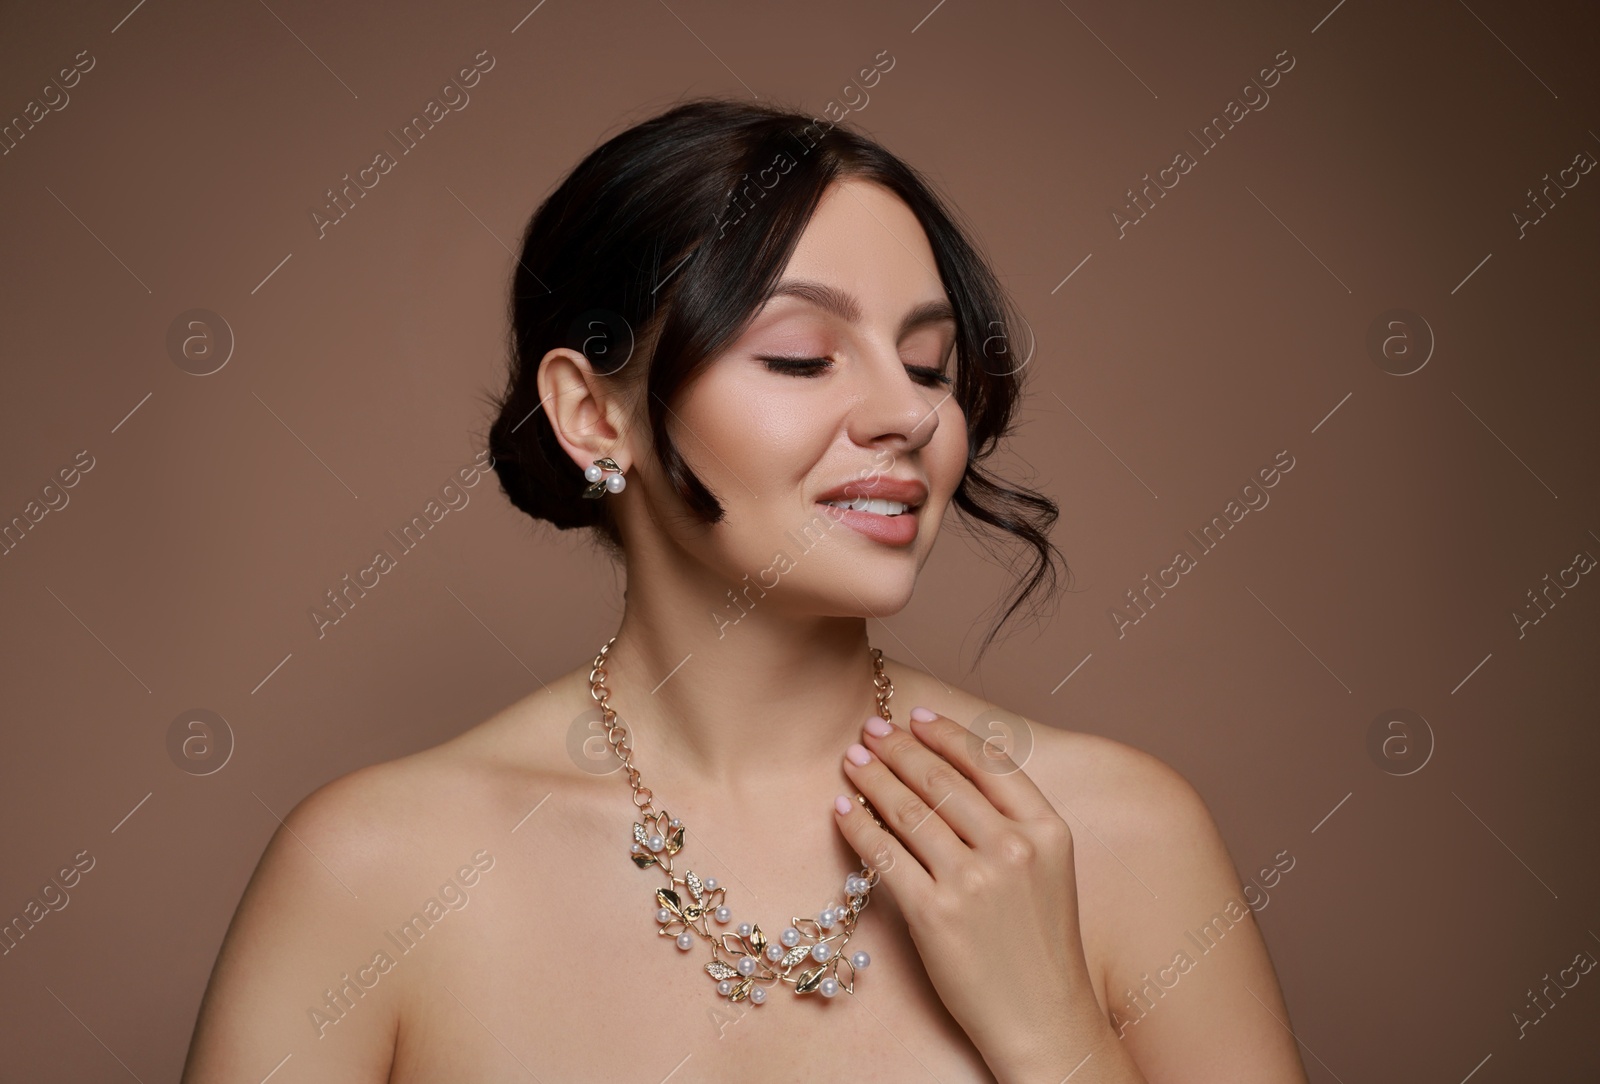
753 446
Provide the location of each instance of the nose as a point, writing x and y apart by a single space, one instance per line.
892 410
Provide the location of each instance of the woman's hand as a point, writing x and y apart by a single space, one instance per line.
981 865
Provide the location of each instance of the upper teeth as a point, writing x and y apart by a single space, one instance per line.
872 504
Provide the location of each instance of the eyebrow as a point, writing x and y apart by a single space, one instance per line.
838 303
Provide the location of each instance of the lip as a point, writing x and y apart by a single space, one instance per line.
905 490
898 530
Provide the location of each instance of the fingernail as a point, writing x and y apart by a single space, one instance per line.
842 804
858 753
923 715
878 727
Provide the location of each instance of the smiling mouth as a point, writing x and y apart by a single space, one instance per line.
874 505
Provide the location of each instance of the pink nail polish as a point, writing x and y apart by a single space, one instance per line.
858 753
843 805
879 727
923 715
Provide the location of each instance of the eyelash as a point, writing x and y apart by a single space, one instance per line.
811 367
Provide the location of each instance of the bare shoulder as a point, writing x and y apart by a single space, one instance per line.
354 856
1166 925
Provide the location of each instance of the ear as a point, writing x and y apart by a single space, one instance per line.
587 411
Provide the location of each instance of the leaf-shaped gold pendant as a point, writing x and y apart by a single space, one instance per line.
719 970
794 956
810 980
645 860
693 911
741 991
669 899
639 834
696 889
758 940
675 842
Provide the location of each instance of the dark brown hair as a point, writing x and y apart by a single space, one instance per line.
656 251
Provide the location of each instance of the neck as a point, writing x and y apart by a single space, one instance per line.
739 709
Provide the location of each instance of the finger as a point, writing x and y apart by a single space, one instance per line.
936 780
880 850
996 775
912 820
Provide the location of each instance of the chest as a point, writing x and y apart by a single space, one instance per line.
558 970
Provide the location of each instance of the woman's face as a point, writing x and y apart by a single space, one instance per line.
865 405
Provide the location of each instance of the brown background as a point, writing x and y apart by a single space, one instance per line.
1173 363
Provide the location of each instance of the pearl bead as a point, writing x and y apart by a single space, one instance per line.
686 941
746 966
744 929
655 843
663 915
860 960
757 995
820 951
616 483
722 914
853 886
790 937
675 822
725 987
826 920
637 846
774 953
710 884
592 473
828 987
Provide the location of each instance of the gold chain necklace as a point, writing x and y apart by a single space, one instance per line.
744 963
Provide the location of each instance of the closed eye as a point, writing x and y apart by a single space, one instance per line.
811 367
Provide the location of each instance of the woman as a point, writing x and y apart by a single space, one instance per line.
754 354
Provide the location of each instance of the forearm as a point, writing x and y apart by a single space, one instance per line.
1085 1048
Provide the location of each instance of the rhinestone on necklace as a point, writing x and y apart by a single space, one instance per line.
809 954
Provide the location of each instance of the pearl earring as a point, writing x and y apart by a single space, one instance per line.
604 476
